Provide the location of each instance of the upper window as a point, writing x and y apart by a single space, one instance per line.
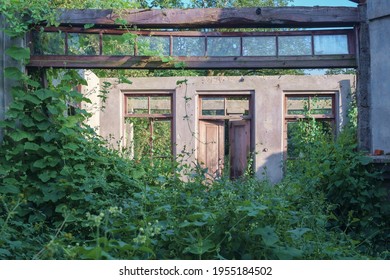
224 106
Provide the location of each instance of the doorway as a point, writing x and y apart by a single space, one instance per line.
224 144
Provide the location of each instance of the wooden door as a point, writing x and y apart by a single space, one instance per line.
211 147
239 134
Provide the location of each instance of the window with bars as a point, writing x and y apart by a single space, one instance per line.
148 125
305 107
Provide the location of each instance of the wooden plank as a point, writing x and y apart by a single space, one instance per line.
239 134
144 62
211 147
216 17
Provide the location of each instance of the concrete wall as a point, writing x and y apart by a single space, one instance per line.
378 12
268 109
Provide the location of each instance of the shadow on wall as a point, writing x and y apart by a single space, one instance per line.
272 167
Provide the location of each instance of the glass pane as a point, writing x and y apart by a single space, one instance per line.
237 106
223 46
321 105
118 44
259 46
137 105
330 44
295 45
160 105
83 44
297 105
161 139
213 106
189 46
49 43
153 46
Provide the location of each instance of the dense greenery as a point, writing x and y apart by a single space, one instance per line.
65 195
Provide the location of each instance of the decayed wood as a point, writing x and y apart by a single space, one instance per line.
243 62
217 17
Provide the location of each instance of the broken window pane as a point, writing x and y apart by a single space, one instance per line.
223 46
49 43
259 46
321 105
189 46
83 44
153 46
295 45
118 44
137 105
213 106
237 106
160 105
297 105
330 44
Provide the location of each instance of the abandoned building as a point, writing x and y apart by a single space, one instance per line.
216 121
220 121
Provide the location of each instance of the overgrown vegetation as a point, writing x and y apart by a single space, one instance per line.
65 195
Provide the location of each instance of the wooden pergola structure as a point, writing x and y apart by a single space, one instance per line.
183 23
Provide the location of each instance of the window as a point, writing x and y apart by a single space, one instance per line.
320 106
148 125
228 107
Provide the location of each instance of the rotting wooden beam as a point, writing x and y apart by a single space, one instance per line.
143 62
216 17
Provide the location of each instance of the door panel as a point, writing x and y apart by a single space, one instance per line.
211 147
239 134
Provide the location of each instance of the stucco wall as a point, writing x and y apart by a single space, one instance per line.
268 109
379 26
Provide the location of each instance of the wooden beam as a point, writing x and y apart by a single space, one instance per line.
216 17
143 62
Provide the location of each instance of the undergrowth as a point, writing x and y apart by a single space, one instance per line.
65 195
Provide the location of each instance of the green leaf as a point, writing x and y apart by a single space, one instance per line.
13 73
45 176
41 163
38 116
52 193
9 189
32 99
31 146
365 160
43 94
203 246
268 234
19 135
89 25
298 232
33 83
18 53
288 253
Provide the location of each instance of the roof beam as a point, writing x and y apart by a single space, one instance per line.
216 17
144 62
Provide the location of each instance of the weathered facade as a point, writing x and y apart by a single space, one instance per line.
262 129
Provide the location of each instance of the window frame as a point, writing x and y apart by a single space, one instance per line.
225 116
150 117
289 118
